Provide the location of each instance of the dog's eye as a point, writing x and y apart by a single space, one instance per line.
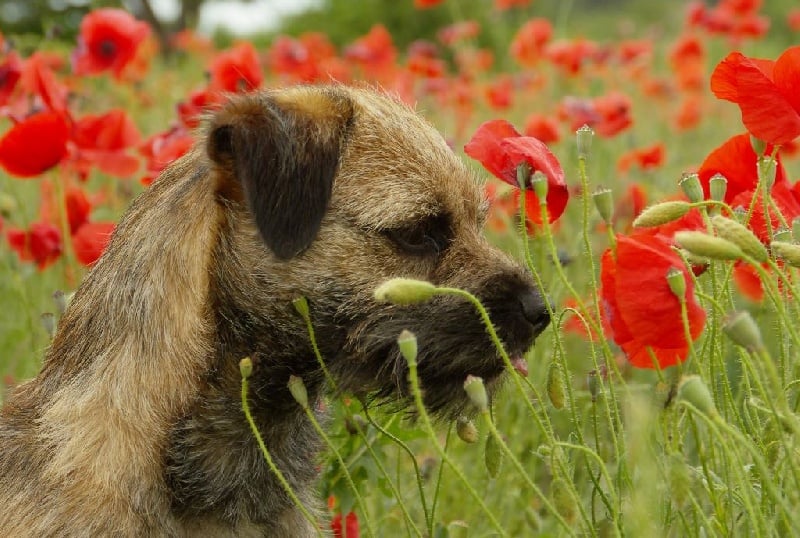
429 237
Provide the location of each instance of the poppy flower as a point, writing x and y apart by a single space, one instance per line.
102 140
645 158
765 91
349 529
459 31
375 52
107 42
500 92
748 281
40 244
425 4
643 314
736 160
163 148
501 149
528 44
34 145
236 69
90 240
542 127
38 78
10 73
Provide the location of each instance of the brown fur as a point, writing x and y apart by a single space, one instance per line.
134 428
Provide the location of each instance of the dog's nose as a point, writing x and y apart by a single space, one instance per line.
534 308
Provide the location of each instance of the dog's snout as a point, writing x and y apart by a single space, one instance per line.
534 309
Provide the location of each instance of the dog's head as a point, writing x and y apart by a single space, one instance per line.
333 191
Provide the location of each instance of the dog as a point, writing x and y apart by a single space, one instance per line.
134 426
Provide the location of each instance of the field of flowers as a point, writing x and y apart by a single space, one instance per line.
646 180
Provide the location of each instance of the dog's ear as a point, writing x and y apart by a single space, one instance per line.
281 151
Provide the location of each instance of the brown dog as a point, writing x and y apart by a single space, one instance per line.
134 426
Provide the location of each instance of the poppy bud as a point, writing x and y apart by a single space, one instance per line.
767 168
8 204
708 246
758 145
404 291
782 235
788 252
301 306
245 367
298 390
690 184
743 331
741 236
473 385
662 213
49 323
562 499
539 185
407 342
583 137
717 187
466 430
677 282
492 456
523 175
555 386
692 390
604 203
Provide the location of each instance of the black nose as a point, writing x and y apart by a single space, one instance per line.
534 309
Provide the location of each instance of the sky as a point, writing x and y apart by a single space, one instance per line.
239 17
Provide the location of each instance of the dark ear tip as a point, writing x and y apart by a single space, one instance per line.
220 144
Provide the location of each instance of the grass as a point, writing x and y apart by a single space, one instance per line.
585 444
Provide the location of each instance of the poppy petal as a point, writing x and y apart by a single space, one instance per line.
34 145
786 75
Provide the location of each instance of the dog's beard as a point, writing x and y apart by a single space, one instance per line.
452 343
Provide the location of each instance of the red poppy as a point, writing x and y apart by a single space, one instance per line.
687 60
459 31
90 240
107 42
500 149
163 148
38 79
528 44
350 528
425 4
793 19
503 5
34 145
643 314
645 158
736 160
542 127
78 208
236 69
191 110
102 141
500 92
40 244
748 281
375 52
10 72
765 91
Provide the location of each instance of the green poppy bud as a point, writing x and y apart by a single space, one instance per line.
407 342
466 430
742 329
404 291
788 252
662 213
246 367
741 236
477 392
298 390
692 389
708 246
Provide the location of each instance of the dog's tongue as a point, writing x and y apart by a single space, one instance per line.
520 365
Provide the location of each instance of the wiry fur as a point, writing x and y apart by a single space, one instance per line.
134 426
